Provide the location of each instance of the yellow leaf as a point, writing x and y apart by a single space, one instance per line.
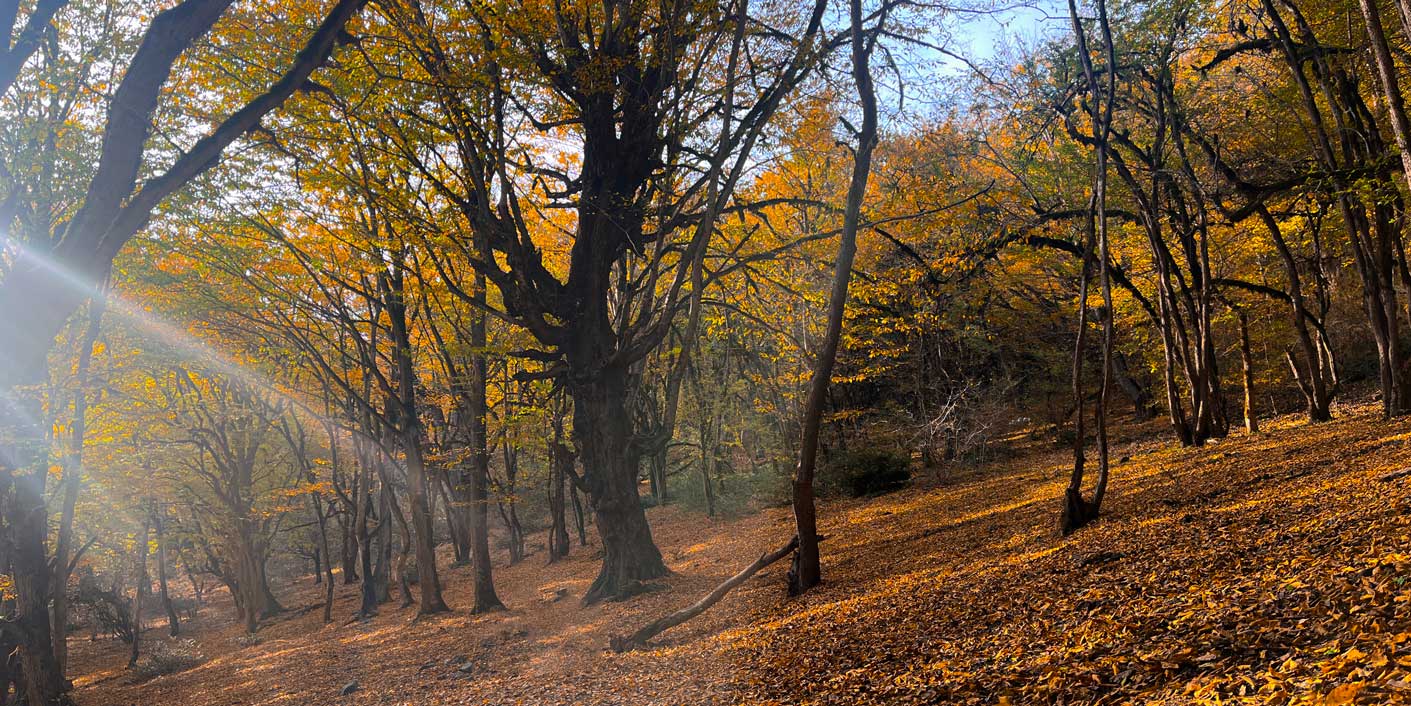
1342 695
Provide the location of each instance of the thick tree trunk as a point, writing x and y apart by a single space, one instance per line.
43 681
255 598
601 428
428 580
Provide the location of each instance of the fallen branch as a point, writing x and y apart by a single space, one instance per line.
620 643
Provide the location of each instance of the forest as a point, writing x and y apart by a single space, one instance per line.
705 351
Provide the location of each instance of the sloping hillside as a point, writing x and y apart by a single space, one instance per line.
1271 569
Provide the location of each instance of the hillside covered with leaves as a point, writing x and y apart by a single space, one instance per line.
956 591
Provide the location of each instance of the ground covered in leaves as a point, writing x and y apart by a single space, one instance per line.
1265 569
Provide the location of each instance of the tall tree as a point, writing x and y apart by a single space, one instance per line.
807 571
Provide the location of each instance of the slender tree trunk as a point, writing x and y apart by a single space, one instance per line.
323 545
1251 423
363 498
140 551
510 504
349 546
707 457
1316 388
578 515
457 521
1078 511
429 581
404 582
72 482
173 624
807 570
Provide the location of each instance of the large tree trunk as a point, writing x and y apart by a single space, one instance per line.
601 428
255 598
42 678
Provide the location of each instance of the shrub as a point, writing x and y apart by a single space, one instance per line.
168 658
862 473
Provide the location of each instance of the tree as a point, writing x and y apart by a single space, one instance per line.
38 292
806 571
1077 510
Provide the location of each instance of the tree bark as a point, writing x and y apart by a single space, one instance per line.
601 427
1251 423
558 478
482 567
428 580
173 624
141 553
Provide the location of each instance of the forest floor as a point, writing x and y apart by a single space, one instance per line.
1265 569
